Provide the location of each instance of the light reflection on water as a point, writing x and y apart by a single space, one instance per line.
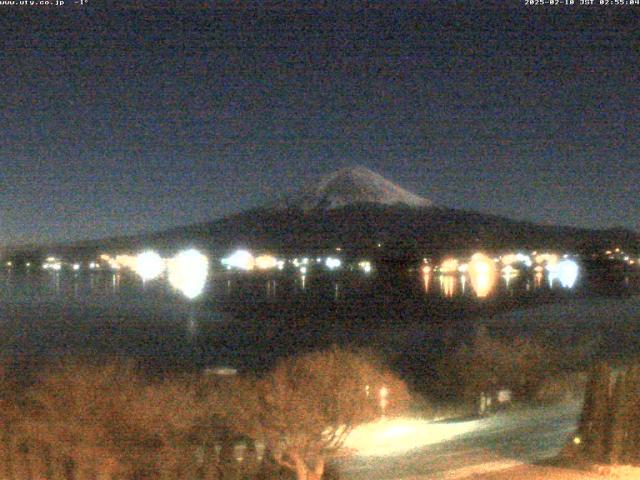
448 285
426 278
482 272
113 312
537 280
125 287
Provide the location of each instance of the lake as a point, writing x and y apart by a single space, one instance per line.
249 320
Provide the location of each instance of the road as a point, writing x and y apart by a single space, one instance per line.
412 449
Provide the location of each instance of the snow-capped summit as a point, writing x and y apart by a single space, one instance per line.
355 185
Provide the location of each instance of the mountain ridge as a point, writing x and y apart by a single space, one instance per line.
358 209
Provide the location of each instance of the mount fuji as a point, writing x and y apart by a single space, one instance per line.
359 210
353 186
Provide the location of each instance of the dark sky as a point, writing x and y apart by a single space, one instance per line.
121 120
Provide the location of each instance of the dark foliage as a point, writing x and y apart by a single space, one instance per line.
609 426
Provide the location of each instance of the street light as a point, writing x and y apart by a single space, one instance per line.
384 393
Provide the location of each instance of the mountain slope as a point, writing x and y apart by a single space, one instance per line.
357 209
353 186
430 230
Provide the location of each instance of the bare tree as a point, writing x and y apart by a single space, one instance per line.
304 409
74 413
9 417
102 422
162 430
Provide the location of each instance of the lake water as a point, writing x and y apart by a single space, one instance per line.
249 320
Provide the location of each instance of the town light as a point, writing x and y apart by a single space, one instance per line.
241 259
333 263
365 266
266 262
509 259
548 258
52 263
523 258
565 271
188 272
149 265
450 265
125 261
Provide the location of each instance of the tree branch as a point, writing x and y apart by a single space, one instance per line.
282 462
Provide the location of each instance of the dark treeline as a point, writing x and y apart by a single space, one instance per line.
610 424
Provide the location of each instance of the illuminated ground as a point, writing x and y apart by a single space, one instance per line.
413 449
552 473
529 472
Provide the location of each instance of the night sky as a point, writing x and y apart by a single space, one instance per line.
116 121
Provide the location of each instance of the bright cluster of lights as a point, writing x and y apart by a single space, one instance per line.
450 265
519 257
482 273
149 265
619 254
297 262
113 263
241 259
565 271
188 272
547 258
365 266
245 260
52 263
333 263
508 272
266 262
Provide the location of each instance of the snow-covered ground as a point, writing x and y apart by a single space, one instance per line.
418 449
355 185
